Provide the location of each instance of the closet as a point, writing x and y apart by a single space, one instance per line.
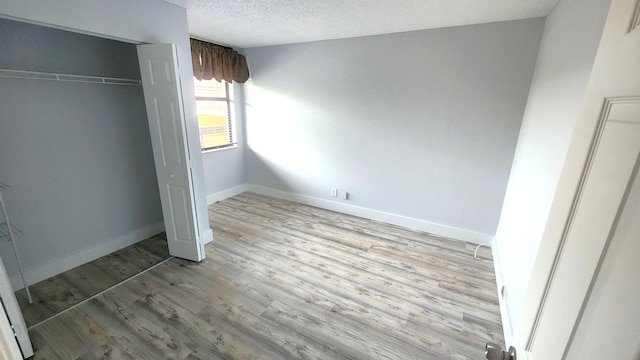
74 148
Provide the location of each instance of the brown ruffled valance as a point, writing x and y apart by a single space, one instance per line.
212 61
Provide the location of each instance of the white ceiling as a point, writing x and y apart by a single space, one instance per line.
251 23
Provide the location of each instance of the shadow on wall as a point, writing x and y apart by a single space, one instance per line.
271 176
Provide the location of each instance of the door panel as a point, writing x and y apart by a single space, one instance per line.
14 314
180 206
168 122
8 346
604 195
584 310
163 98
608 330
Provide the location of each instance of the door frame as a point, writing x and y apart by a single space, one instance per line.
13 314
8 343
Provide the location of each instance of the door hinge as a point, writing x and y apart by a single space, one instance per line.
495 352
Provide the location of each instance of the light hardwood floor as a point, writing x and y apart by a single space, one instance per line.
62 291
288 281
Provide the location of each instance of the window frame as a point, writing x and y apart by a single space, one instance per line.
231 115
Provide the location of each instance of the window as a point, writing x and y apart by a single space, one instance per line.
216 114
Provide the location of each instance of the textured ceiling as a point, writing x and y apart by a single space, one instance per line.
251 23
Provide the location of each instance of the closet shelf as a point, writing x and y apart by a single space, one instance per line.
67 77
5 235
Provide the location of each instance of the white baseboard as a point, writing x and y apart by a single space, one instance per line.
212 198
507 328
46 271
394 219
207 237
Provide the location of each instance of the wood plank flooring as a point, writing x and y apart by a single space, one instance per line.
288 281
64 290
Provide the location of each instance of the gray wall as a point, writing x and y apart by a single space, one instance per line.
225 169
567 51
77 155
420 124
31 47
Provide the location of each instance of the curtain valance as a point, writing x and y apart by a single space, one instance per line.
212 61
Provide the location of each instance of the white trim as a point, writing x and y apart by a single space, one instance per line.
12 308
44 272
228 147
394 219
505 315
8 343
525 355
206 237
227 193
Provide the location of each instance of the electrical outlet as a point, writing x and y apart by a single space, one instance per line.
503 291
344 195
334 192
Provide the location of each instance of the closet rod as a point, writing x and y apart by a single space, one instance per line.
37 75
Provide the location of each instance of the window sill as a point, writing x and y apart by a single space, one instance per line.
219 149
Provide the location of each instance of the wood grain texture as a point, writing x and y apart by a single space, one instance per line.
64 290
289 281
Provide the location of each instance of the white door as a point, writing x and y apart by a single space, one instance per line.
163 98
8 343
15 318
610 323
590 300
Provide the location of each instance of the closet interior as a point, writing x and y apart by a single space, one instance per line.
77 176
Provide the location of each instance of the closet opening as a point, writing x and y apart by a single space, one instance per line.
76 164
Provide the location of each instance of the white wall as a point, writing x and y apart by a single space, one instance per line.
140 21
420 124
567 51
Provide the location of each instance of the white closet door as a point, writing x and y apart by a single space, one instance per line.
163 98
13 313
